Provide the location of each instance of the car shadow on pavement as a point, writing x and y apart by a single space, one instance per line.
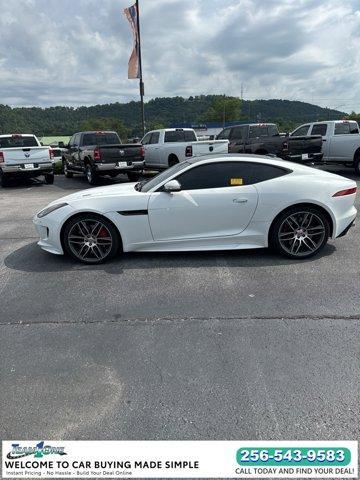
30 258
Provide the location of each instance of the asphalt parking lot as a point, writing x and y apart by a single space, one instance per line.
218 345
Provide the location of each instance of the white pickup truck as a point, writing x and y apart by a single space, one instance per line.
341 141
24 156
165 147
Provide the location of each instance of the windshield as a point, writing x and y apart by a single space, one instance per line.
147 185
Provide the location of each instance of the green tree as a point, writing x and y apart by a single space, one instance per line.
223 109
353 116
106 123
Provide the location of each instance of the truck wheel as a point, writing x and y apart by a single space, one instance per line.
133 176
91 175
173 160
49 178
357 164
66 172
3 179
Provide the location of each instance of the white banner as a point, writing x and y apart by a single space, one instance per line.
179 459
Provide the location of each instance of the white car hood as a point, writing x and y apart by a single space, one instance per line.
107 191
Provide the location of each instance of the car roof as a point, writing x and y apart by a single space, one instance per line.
242 157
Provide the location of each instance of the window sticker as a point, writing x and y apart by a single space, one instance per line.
236 181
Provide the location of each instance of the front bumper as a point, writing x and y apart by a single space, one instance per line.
114 167
20 170
311 158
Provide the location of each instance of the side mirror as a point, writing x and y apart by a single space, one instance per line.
287 134
172 186
61 145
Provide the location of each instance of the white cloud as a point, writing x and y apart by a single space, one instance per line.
76 53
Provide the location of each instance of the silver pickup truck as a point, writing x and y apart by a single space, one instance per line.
340 141
24 156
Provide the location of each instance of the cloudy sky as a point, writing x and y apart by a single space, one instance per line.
75 52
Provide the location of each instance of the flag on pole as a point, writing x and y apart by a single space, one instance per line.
131 14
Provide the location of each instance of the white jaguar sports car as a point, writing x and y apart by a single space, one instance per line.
222 203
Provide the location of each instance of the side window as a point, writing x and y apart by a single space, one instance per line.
224 134
354 127
146 139
227 174
319 129
190 136
260 172
71 142
77 140
273 131
174 136
154 137
257 131
238 133
342 128
299 132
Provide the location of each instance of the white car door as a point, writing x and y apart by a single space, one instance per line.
323 129
215 201
153 152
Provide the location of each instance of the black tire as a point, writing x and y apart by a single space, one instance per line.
73 249
357 164
66 172
299 232
173 160
133 176
49 178
91 175
3 179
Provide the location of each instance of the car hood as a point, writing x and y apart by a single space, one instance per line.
125 189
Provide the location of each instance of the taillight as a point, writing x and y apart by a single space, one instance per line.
348 191
51 154
188 151
142 152
1 157
285 146
97 154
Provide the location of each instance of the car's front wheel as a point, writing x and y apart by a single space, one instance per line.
300 232
90 238
66 171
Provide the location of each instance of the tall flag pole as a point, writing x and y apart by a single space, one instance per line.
135 66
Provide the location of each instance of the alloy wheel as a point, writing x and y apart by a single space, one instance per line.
90 240
302 233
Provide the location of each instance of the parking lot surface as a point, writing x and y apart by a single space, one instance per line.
217 345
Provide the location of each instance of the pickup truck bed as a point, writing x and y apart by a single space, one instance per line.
264 139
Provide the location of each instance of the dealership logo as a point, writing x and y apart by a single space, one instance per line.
27 155
39 450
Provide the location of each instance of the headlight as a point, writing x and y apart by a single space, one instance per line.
48 210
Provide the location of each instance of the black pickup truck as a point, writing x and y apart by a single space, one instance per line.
101 153
265 139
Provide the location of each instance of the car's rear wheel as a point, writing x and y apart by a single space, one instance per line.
90 238
300 232
66 171
3 179
91 175
357 163
49 178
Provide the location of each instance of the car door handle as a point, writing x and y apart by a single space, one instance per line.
240 200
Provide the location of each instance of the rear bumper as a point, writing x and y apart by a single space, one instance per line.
311 158
345 231
113 167
20 170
